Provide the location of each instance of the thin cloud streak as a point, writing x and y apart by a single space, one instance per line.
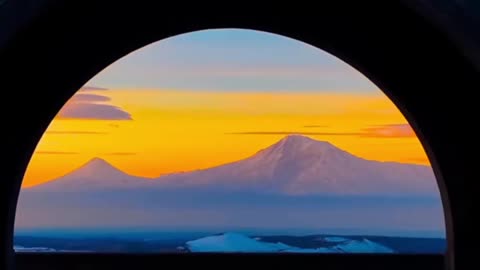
294 132
76 132
92 106
315 126
120 154
265 71
389 131
89 98
55 153
377 131
93 111
92 88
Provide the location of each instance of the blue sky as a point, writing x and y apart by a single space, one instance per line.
233 60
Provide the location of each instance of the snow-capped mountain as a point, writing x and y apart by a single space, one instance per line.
236 242
294 165
300 165
280 187
96 174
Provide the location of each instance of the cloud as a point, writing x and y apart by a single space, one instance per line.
93 111
89 98
315 126
389 131
120 154
55 153
76 132
92 88
294 132
93 107
378 131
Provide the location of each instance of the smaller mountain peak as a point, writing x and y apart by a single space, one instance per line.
97 160
97 163
96 167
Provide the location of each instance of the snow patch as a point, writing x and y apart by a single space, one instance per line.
363 246
335 239
33 249
235 242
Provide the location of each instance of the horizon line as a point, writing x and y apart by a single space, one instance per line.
211 167
431 234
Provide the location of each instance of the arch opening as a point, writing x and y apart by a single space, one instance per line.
250 134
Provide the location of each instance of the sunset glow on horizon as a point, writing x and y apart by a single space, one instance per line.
174 131
157 111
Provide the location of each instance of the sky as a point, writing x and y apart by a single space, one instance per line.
211 97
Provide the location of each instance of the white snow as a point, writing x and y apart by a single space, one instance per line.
364 246
335 239
32 249
232 242
298 165
93 175
310 250
18 248
235 242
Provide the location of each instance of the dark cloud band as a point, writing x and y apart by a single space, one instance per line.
120 154
55 153
294 132
315 126
378 131
93 111
76 132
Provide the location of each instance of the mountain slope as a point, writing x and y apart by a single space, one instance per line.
296 165
235 242
94 175
260 192
300 165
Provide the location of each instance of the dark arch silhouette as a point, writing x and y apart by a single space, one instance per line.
416 64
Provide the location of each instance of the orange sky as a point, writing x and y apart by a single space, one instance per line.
181 130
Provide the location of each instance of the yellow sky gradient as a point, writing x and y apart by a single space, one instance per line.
181 130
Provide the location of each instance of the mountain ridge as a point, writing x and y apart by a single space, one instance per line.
295 164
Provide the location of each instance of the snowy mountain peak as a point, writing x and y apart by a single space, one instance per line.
96 167
97 173
293 147
295 165
298 138
98 162
295 140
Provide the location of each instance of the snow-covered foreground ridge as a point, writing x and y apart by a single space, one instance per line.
236 242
